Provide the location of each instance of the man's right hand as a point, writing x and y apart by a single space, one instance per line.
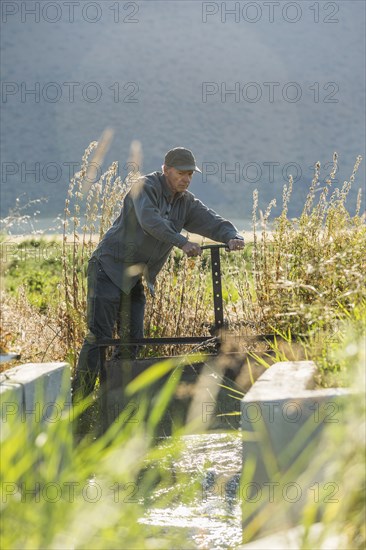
192 249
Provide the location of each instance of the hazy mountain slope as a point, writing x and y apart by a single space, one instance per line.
169 54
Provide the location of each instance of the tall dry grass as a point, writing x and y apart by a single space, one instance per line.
181 305
97 204
298 276
314 267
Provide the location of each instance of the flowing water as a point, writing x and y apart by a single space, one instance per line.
207 471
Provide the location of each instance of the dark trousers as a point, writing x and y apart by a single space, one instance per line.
107 307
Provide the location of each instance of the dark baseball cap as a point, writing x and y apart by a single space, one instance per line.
181 159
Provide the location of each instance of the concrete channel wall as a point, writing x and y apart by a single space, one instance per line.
284 421
35 392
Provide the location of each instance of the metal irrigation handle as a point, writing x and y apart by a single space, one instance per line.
216 282
211 246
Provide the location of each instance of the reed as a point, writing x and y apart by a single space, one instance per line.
299 276
312 271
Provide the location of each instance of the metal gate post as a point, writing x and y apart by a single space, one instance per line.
216 286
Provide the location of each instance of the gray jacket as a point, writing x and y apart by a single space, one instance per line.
149 225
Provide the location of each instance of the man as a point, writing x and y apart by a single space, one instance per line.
154 211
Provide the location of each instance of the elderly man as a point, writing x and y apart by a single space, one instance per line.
154 211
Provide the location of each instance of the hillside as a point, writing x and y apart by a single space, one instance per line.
162 80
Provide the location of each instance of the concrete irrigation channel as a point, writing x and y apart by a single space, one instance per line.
223 513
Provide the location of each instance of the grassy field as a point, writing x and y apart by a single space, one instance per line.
299 279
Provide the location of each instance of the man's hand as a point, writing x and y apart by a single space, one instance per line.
235 244
192 249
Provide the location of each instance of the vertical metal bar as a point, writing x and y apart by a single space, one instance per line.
216 287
